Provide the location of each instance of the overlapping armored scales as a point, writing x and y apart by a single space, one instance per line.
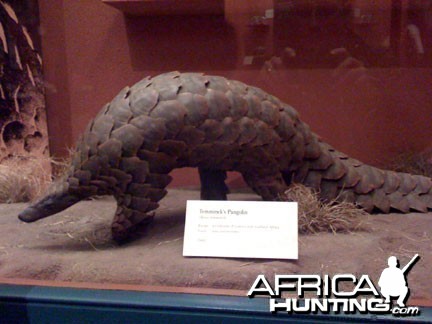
371 188
175 120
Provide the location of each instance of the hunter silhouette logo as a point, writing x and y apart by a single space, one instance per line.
393 282
345 293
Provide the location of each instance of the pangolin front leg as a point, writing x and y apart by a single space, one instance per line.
213 185
149 176
134 206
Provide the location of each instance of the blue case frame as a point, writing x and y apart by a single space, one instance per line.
39 304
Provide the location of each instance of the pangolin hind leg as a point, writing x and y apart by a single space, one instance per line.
213 185
261 172
270 186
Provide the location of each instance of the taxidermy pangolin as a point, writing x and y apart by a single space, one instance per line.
176 120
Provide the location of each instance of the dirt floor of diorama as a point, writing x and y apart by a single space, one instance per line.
76 246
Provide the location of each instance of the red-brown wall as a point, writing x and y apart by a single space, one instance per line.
91 51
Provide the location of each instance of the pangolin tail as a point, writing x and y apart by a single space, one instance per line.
339 177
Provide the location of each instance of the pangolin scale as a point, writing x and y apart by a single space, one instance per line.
177 119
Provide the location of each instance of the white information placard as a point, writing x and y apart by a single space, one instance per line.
241 229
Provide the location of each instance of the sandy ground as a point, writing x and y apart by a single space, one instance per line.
75 245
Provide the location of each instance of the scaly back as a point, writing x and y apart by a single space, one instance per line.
176 120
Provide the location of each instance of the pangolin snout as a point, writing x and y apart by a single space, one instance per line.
30 215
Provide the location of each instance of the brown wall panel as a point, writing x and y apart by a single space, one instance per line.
92 51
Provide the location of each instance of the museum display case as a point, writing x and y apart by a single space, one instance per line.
109 105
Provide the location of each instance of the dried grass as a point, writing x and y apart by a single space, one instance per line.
316 216
414 163
22 179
